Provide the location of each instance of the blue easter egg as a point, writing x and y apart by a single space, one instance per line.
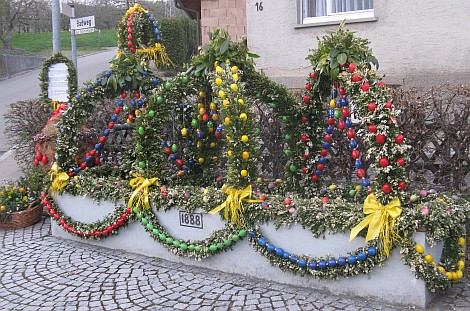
279 252
262 241
120 103
358 163
329 130
250 233
77 96
341 261
302 263
97 146
326 145
271 247
285 255
114 118
140 102
317 172
99 81
366 182
87 158
185 167
312 265
293 259
77 170
348 122
89 89
352 144
133 103
371 251
173 157
322 264
331 263
191 163
361 256
157 32
352 260
155 81
322 160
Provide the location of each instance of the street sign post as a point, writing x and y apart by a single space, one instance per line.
82 22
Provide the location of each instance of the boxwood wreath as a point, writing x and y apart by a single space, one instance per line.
203 116
44 77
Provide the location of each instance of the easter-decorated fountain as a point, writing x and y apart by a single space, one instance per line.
189 186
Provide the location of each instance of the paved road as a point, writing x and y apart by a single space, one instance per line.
26 86
40 272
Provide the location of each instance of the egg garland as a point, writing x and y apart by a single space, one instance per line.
97 230
360 261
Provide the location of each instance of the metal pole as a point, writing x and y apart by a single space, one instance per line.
73 40
55 26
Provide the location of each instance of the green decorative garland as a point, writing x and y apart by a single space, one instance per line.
44 76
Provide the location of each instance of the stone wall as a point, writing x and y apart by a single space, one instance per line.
14 64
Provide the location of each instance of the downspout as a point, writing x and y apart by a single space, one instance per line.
198 20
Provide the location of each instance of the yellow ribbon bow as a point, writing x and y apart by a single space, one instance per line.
59 180
234 204
157 54
381 220
141 192
134 8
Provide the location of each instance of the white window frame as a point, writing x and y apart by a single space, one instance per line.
335 18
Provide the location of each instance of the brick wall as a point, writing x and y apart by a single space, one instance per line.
228 14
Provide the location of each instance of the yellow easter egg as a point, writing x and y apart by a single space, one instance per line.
461 241
441 268
222 94
201 160
244 173
235 77
212 144
241 101
244 139
428 258
218 81
213 106
234 69
234 87
243 116
215 117
230 153
202 111
459 274
202 94
226 102
332 103
227 120
461 264
245 155
419 248
219 69
184 132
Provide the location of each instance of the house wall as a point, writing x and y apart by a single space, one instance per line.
228 14
418 43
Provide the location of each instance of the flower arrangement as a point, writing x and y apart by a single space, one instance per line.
13 198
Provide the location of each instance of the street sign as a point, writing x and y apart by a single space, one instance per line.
86 30
82 22
66 9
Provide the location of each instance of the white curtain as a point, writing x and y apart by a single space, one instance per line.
339 6
320 8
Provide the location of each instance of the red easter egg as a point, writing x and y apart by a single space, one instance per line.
400 162
401 185
352 67
383 162
371 106
380 138
365 87
386 188
306 99
399 139
314 178
308 86
313 75
356 78
355 154
372 128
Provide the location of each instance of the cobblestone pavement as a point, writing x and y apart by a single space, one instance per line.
40 272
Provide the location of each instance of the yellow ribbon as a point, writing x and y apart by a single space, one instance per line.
157 54
381 220
140 196
119 54
59 180
134 8
234 204
55 104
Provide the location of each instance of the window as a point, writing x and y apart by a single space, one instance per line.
334 11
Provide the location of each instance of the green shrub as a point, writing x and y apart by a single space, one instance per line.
179 38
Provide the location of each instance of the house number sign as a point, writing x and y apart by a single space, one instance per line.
193 220
259 6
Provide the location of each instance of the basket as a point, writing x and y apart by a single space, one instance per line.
25 218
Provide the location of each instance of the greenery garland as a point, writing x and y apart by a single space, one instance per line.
44 76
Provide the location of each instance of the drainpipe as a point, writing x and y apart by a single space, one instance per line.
198 20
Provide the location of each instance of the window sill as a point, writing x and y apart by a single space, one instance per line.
336 20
